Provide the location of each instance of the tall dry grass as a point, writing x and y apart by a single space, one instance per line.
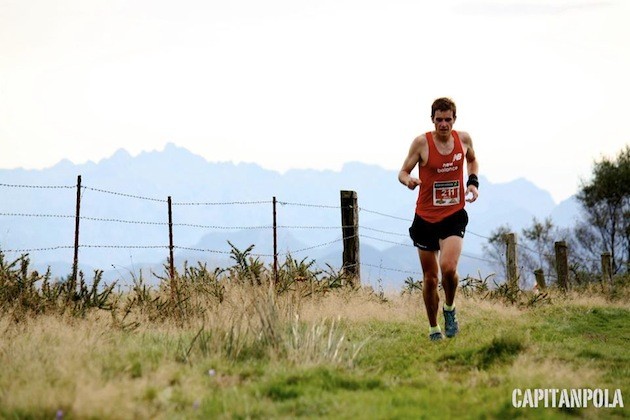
94 352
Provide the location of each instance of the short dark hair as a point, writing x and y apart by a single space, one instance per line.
443 104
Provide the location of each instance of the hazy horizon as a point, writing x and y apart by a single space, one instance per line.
281 172
300 84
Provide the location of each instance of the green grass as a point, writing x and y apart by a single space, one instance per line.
593 336
337 353
397 374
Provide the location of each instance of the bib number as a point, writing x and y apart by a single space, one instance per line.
446 193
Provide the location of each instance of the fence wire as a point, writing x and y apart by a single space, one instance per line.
320 206
405 235
397 270
222 203
363 209
28 250
137 197
215 251
322 245
315 227
41 187
478 235
58 216
386 241
463 254
292 252
222 227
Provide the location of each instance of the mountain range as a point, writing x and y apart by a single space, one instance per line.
124 215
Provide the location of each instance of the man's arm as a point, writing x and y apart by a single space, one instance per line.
472 166
413 158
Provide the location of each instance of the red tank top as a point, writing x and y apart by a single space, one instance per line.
442 188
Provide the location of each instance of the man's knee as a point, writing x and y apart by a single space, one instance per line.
449 270
430 280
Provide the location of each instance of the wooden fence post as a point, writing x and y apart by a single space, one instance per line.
512 260
171 261
540 279
607 269
350 230
562 264
275 244
77 218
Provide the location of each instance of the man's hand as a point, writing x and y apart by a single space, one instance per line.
412 183
473 192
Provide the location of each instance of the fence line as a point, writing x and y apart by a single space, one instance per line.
392 269
222 203
386 241
323 244
478 235
463 254
213 251
124 246
209 204
320 206
362 209
217 227
406 235
312 227
348 208
138 197
59 216
49 187
83 189
23 251
141 222
540 254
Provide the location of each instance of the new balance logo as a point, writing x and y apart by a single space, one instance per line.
457 156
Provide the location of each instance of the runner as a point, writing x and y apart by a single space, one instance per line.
440 218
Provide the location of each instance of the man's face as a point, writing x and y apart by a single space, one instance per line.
443 121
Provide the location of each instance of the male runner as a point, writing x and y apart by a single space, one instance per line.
440 219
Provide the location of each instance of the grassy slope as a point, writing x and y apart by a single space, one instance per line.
89 368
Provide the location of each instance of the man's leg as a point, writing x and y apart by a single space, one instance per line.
429 263
449 257
451 249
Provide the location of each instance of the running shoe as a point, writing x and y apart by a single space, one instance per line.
436 336
451 326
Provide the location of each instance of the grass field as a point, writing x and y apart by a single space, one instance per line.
229 349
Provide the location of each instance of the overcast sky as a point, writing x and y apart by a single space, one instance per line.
541 86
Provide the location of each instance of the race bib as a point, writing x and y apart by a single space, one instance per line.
445 193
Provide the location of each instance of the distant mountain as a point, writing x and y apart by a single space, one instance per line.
124 209
567 213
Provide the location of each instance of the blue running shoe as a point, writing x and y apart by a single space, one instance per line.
451 326
436 336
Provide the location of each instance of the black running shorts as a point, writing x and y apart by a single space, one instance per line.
426 236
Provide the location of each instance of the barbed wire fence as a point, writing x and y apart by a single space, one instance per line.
361 231
80 219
